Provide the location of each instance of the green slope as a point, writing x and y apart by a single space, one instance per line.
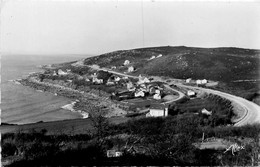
221 64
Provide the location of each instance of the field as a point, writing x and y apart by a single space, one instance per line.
150 141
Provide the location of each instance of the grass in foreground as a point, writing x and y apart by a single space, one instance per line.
148 141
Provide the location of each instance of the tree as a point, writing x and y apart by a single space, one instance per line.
100 124
104 75
41 76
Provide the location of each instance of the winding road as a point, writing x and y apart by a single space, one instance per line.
252 110
251 113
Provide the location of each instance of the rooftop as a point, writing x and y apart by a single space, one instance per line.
161 106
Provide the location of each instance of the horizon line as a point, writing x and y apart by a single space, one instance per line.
92 54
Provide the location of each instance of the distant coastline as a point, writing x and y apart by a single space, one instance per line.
23 105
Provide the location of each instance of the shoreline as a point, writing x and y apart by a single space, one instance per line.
67 126
15 81
70 107
89 98
67 107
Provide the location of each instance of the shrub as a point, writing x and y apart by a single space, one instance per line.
8 149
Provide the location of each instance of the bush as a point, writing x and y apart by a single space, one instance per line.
8 149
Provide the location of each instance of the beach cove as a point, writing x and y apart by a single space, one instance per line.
23 105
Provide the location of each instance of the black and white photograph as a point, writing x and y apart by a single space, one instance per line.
130 83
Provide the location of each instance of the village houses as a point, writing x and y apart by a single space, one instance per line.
201 82
60 72
143 80
114 153
95 79
204 81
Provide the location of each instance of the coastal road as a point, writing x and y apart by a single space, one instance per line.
251 110
181 95
251 113
96 67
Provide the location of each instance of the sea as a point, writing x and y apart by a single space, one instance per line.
21 104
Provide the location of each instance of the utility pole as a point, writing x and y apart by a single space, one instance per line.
143 21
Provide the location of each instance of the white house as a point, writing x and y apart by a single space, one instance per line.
191 93
158 110
198 82
139 94
143 80
201 82
157 91
98 81
114 153
60 72
160 55
204 81
127 62
54 73
84 114
188 80
113 67
146 80
131 69
157 96
117 79
153 57
206 112
130 86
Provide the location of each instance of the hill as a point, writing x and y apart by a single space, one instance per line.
220 64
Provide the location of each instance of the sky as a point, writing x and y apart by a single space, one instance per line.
96 27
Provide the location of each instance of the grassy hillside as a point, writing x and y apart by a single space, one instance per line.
236 69
147 141
222 64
